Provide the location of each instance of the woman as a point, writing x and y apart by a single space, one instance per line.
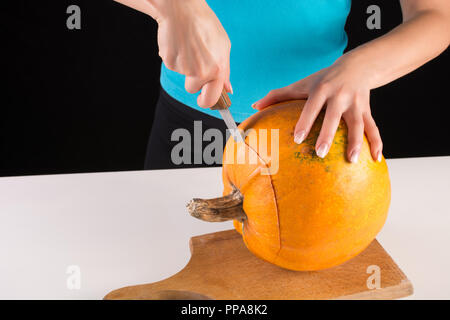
274 45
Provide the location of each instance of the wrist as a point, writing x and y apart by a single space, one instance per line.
364 67
167 9
157 9
148 7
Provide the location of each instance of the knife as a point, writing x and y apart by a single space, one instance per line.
223 105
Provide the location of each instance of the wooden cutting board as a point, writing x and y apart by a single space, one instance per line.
221 267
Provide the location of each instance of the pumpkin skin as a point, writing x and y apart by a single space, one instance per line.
313 213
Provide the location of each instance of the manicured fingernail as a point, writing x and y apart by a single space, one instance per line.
354 156
322 150
231 89
299 137
379 156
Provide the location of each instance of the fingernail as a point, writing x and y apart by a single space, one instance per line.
379 156
354 156
254 105
322 150
299 137
231 89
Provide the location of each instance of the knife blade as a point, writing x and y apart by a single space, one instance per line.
223 105
231 125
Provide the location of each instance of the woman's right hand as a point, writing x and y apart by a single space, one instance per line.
193 42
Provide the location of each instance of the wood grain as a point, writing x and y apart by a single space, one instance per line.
221 267
224 101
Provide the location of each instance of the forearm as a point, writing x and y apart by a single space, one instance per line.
416 41
152 8
161 9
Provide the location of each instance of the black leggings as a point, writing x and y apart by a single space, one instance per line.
170 115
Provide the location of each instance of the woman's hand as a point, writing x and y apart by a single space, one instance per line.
344 90
193 42
344 87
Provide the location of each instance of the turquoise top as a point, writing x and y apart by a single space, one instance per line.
273 44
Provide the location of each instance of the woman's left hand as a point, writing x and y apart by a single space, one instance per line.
344 89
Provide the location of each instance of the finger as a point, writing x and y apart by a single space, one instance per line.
355 126
228 87
373 135
274 96
170 62
210 93
297 90
193 84
227 84
309 114
329 126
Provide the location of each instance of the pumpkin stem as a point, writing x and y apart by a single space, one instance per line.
220 209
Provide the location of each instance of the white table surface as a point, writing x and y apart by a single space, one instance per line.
126 228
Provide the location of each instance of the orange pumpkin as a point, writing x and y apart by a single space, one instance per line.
305 213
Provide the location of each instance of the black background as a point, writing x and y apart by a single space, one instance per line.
83 100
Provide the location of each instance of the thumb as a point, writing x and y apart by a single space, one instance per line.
282 94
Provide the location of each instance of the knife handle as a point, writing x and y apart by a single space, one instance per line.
224 101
